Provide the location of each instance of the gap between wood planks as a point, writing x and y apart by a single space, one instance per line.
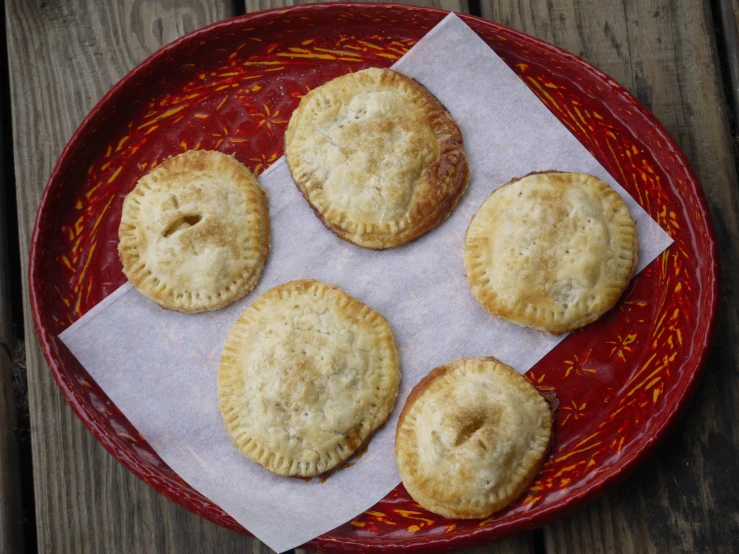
727 43
20 536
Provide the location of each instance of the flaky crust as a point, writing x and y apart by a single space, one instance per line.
307 375
471 438
378 158
552 251
194 233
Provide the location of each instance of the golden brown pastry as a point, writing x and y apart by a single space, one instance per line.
377 157
471 438
194 233
307 375
552 251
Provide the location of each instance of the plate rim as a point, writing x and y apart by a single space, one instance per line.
557 509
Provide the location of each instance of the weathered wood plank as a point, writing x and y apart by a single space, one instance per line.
451 5
521 544
684 499
64 55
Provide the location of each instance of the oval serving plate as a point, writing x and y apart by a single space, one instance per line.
232 87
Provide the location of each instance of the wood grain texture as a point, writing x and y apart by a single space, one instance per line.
684 499
521 544
451 5
63 57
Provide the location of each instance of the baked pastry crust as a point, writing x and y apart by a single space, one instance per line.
194 233
307 375
552 251
378 158
471 438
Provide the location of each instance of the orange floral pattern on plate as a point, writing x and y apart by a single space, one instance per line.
232 87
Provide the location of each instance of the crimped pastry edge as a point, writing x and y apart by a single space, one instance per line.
150 285
568 319
425 216
230 382
528 469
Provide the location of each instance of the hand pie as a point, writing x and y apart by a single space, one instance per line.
308 373
194 234
471 438
552 251
377 157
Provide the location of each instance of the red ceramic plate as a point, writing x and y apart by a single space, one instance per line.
232 87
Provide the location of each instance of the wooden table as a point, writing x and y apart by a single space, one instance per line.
679 57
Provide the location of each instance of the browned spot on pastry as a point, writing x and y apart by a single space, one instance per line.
472 436
552 251
378 158
308 374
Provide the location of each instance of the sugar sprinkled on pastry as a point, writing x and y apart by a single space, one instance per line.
552 251
377 157
194 233
307 375
471 438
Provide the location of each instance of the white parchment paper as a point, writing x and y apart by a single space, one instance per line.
159 367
